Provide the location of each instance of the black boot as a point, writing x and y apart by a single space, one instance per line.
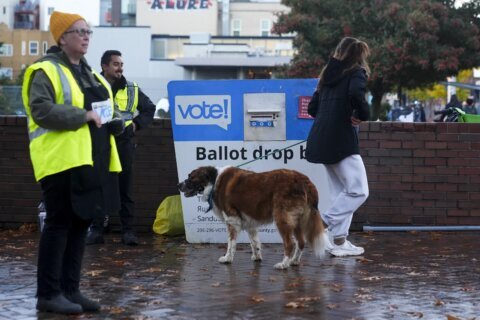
94 237
58 304
87 304
129 238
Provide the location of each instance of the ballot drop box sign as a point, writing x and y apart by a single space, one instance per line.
258 125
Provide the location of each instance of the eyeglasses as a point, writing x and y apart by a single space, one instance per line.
81 32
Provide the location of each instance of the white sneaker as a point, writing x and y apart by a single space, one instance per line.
328 241
346 249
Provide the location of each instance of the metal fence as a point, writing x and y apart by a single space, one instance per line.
11 100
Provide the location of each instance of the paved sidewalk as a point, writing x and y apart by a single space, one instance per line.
401 276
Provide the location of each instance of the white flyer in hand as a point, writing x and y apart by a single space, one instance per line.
104 110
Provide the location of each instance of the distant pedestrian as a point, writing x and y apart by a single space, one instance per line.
418 112
73 154
333 139
470 106
443 116
454 102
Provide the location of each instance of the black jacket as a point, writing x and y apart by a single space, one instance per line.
332 137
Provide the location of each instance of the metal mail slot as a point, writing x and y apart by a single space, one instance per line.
264 116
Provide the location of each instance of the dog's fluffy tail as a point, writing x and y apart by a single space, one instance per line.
315 233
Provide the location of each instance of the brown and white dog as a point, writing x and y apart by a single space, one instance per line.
245 200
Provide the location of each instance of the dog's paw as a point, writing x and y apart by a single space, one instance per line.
256 257
225 259
281 266
295 263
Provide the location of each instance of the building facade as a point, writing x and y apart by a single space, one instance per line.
161 40
21 47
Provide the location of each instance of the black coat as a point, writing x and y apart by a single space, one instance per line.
332 137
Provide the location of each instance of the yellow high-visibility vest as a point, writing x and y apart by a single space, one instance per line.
54 151
127 101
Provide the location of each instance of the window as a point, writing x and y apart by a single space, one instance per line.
236 27
6 50
4 10
159 49
44 47
265 27
24 48
50 10
6 73
33 48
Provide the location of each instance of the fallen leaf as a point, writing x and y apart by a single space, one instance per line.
294 305
137 288
115 280
363 290
373 278
116 310
415 314
216 284
363 296
364 260
450 317
336 287
332 306
308 299
258 299
439 302
435 235
153 270
94 273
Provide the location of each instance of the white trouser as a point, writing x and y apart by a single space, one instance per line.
348 190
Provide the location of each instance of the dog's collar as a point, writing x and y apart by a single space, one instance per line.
210 201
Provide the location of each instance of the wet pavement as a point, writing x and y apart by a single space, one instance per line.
402 275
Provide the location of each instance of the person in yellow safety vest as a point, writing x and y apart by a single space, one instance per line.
137 110
71 121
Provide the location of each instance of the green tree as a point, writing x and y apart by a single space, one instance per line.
413 43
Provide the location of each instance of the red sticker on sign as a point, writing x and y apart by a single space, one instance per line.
303 107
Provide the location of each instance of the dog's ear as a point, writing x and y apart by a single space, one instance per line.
212 174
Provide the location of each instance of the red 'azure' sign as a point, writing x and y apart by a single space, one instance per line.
179 4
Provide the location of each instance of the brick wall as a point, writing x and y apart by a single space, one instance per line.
155 173
419 174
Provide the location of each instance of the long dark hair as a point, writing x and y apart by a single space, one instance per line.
353 53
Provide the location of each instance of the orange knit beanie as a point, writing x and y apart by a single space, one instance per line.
61 21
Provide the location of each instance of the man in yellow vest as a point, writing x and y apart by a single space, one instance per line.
137 110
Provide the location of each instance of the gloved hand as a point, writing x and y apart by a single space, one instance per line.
116 126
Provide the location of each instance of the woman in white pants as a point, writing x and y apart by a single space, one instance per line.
339 107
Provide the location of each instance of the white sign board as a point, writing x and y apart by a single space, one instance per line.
209 129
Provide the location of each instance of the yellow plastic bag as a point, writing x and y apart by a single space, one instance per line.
169 220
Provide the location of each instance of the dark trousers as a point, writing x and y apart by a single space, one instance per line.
126 152
62 241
